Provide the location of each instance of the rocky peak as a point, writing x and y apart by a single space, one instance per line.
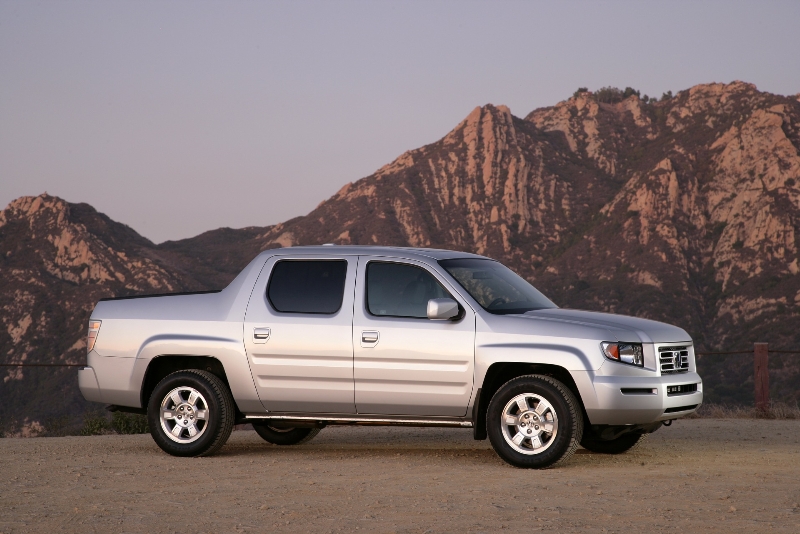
76 244
57 260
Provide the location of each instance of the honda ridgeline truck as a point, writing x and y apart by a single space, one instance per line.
307 337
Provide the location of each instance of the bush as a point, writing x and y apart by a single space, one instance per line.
95 425
579 91
129 423
630 91
608 95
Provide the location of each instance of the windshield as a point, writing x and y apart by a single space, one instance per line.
497 288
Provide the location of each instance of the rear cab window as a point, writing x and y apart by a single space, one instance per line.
307 286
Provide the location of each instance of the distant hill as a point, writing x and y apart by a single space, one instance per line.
685 210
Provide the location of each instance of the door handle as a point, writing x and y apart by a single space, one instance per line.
261 334
369 338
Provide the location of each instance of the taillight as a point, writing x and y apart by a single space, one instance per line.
94 329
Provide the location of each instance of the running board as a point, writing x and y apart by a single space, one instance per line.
351 420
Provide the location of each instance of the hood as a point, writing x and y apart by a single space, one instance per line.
623 327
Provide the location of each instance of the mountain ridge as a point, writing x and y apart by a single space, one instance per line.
685 210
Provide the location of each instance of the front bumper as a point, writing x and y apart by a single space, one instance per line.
636 400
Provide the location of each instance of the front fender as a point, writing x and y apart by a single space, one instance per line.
572 355
579 357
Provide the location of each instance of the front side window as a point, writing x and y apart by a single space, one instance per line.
401 290
497 288
307 286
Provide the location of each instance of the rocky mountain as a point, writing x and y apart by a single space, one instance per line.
57 260
685 210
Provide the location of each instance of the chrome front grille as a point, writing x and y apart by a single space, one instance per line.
673 359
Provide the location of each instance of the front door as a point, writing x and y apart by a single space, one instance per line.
298 334
405 363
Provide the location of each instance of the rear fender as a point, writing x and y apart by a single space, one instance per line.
228 352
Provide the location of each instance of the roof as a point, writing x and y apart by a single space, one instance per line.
364 250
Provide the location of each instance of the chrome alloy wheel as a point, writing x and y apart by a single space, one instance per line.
184 415
529 424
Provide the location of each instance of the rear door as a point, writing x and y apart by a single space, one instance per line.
405 363
298 334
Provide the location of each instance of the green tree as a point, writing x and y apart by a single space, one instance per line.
579 91
630 91
608 95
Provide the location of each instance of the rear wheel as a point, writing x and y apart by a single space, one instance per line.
285 436
190 413
534 421
624 443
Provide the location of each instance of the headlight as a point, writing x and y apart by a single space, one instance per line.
630 353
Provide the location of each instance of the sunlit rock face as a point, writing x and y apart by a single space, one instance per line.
56 261
684 210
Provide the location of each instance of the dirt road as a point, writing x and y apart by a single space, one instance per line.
714 475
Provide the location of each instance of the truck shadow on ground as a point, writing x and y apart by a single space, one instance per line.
448 452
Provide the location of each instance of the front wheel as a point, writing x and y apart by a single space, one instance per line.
284 436
534 421
191 413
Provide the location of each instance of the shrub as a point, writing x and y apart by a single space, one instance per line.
608 95
579 91
630 91
129 423
95 425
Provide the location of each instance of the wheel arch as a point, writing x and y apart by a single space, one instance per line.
501 372
164 365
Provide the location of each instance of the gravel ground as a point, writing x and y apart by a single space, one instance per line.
704 474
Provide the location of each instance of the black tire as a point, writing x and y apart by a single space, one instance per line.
214 401
557 403
285 436
624 443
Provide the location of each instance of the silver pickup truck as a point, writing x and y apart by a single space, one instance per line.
307 337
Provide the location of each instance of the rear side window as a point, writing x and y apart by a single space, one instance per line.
400 290
307 286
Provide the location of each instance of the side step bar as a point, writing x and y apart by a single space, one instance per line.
328 419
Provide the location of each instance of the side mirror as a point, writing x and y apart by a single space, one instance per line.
442 309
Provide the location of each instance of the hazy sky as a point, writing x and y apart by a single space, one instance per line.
180 117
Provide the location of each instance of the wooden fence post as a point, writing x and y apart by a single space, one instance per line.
761 376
